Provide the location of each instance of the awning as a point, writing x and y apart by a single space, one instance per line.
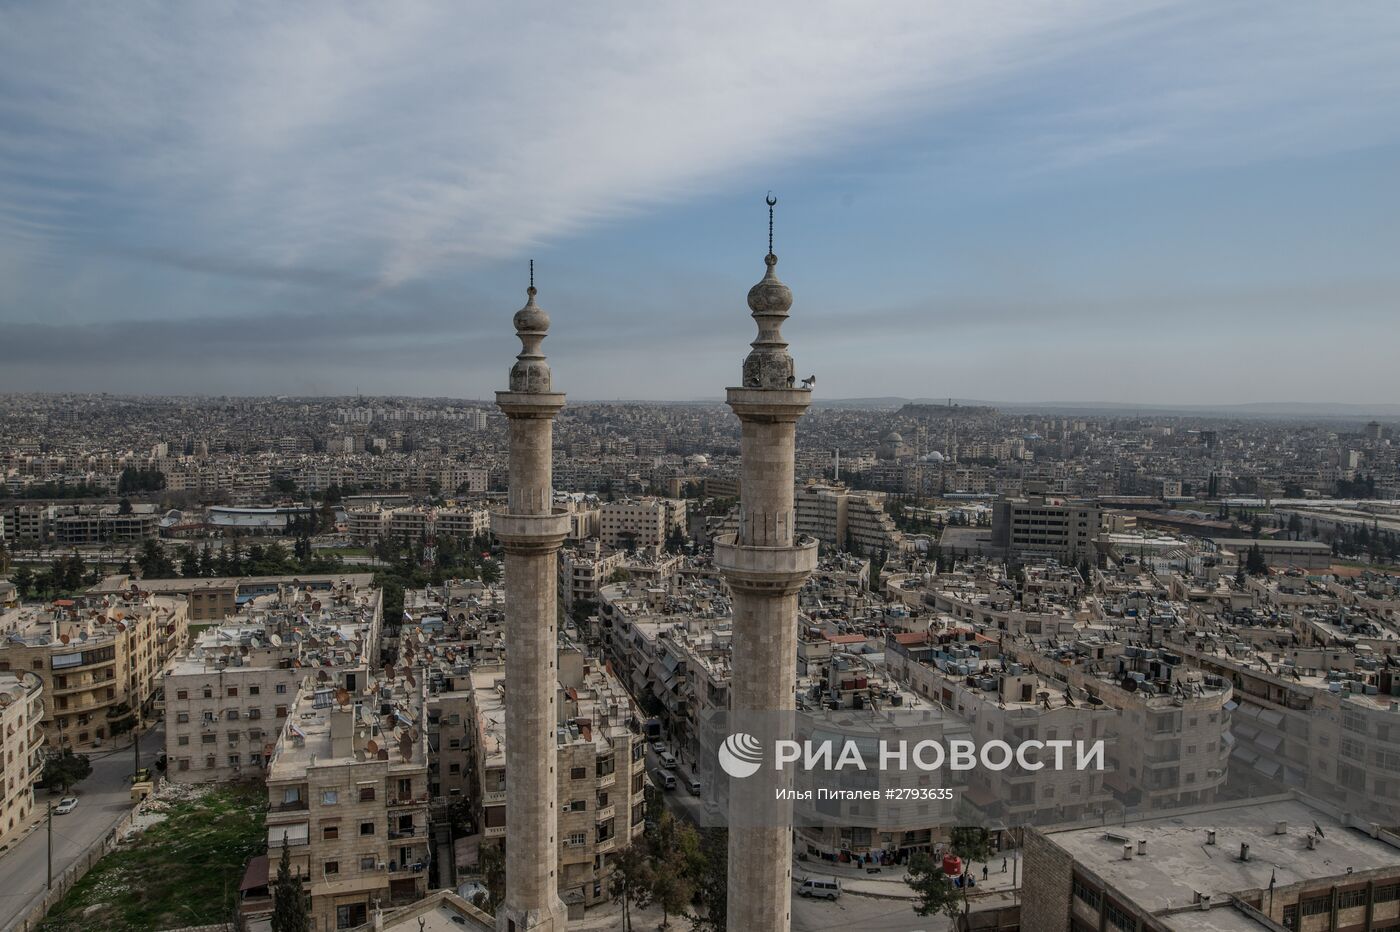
1271 741
256 874
1267 767
1270 717
1231 706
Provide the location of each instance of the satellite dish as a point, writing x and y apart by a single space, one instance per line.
63 638
372 747
276 640
342 696
82 636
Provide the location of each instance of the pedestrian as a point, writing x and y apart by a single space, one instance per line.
1003 865
984 872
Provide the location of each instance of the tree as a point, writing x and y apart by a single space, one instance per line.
124 507
1255 564
290 910
934 893
675 853
65 770
631 882
189 562
712 883
23 580
492 864
490 571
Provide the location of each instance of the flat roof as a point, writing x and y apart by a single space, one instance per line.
1179 862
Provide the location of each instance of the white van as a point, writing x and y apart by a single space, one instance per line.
828 888
668 760
695 787
667 781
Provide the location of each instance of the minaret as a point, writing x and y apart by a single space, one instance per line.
531 533
765 564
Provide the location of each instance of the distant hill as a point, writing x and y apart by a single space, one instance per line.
1263 409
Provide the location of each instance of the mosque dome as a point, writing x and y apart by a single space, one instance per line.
531 318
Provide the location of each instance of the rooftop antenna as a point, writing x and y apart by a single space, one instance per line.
772 201
532 270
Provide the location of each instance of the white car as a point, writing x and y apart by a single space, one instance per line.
66 805
659 747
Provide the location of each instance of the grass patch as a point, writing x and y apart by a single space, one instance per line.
182 871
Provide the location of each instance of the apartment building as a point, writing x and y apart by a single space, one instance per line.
21 751
224 710
1041 527
601 770
843 519
585 569
100 661
1256 865
348 794
640 523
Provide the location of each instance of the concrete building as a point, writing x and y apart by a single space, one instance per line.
847 520
21 751
100 662
531 531
600 771
765 564
584 570
1041 527
640 524
348 794
1258 865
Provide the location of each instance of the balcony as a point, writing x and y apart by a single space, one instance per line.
419 800
494 831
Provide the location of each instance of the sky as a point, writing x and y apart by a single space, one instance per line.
1085 200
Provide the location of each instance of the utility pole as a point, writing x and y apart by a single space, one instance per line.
49 884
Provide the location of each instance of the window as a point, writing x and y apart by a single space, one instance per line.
348 917
233 760
1350 899
332 867
208 693
1387 893
366 794
232 715
254 690
233 692
233 737
366 828
281 688
577 839
330 832
255 713
291 795
209 738
1317 906
182 717
1290 916
182 764
183 740
281 711
1119 918
330 797
578 773
182 694
577 805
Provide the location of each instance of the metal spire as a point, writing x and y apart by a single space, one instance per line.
532 271
771 202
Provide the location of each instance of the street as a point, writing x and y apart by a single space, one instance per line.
103 798
852 911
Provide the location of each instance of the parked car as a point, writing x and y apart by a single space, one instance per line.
695 787
667 781
668 760
659 747
66 805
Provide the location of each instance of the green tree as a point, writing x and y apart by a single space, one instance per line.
933 892
712 882
675 854
490 571
65 770
124 507
23 580
492 864
631 882
189 562
290 909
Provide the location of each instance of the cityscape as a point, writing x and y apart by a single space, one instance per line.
443 487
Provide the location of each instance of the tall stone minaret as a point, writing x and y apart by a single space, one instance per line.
531 534
765 564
